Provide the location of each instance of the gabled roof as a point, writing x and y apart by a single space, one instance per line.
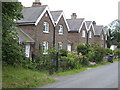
88 24
32 15
75 24
24 36
98 29
105 30
57 15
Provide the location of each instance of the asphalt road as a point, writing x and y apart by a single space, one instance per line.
100 77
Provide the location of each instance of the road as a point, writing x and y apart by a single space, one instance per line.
101 77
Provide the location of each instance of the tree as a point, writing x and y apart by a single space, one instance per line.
11 51
114 33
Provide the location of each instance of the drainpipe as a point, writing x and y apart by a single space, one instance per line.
54 36
87 38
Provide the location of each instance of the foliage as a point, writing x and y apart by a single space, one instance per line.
114 33
23 78
12 53
72 61
117 52
46 62
83 49
63 52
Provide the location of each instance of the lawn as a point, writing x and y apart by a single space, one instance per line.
23 78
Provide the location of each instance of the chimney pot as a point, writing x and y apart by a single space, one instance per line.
94 23
36 3
73 16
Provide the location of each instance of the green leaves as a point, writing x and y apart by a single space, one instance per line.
12 53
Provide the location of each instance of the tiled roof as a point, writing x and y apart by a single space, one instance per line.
56 14
88 24
75 24
31 14
24 36
98 29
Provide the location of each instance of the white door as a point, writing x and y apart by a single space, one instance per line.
27 50
69 47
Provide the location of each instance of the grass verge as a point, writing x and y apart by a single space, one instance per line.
23 78
70 72
75 71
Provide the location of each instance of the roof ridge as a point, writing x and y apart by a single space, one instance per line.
88 21
57 11
37 6
76 19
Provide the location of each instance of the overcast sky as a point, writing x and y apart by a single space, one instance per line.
102 11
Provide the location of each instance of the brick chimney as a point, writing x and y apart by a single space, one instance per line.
94 23
73 16
36 3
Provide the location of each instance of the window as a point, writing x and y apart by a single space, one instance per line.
60 29
59 45
27 50
45 47
90 34
69 48
46 27
102 37
83 33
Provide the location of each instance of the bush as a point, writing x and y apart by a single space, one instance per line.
108 51
83 49
117 52
63 52
72 61
46 62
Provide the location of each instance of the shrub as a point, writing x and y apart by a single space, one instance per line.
83 49
108 51
99 53
117 52
72 61
46 62
63 52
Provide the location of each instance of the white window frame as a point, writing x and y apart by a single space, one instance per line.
60 29
102 37
69 47
27 50
60 45
83 33
45 47
46 27
90 34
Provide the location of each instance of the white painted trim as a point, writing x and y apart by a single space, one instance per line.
62 14
81 26
45 10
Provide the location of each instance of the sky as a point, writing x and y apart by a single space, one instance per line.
101 11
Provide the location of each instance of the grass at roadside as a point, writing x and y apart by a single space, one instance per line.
75 71
23 78
70 72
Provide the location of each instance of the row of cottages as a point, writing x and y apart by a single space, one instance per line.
42 27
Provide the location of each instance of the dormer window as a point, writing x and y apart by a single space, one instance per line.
90 34
60 29
46 27
83 33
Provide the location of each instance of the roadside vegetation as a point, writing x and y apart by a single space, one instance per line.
21 72
18 77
